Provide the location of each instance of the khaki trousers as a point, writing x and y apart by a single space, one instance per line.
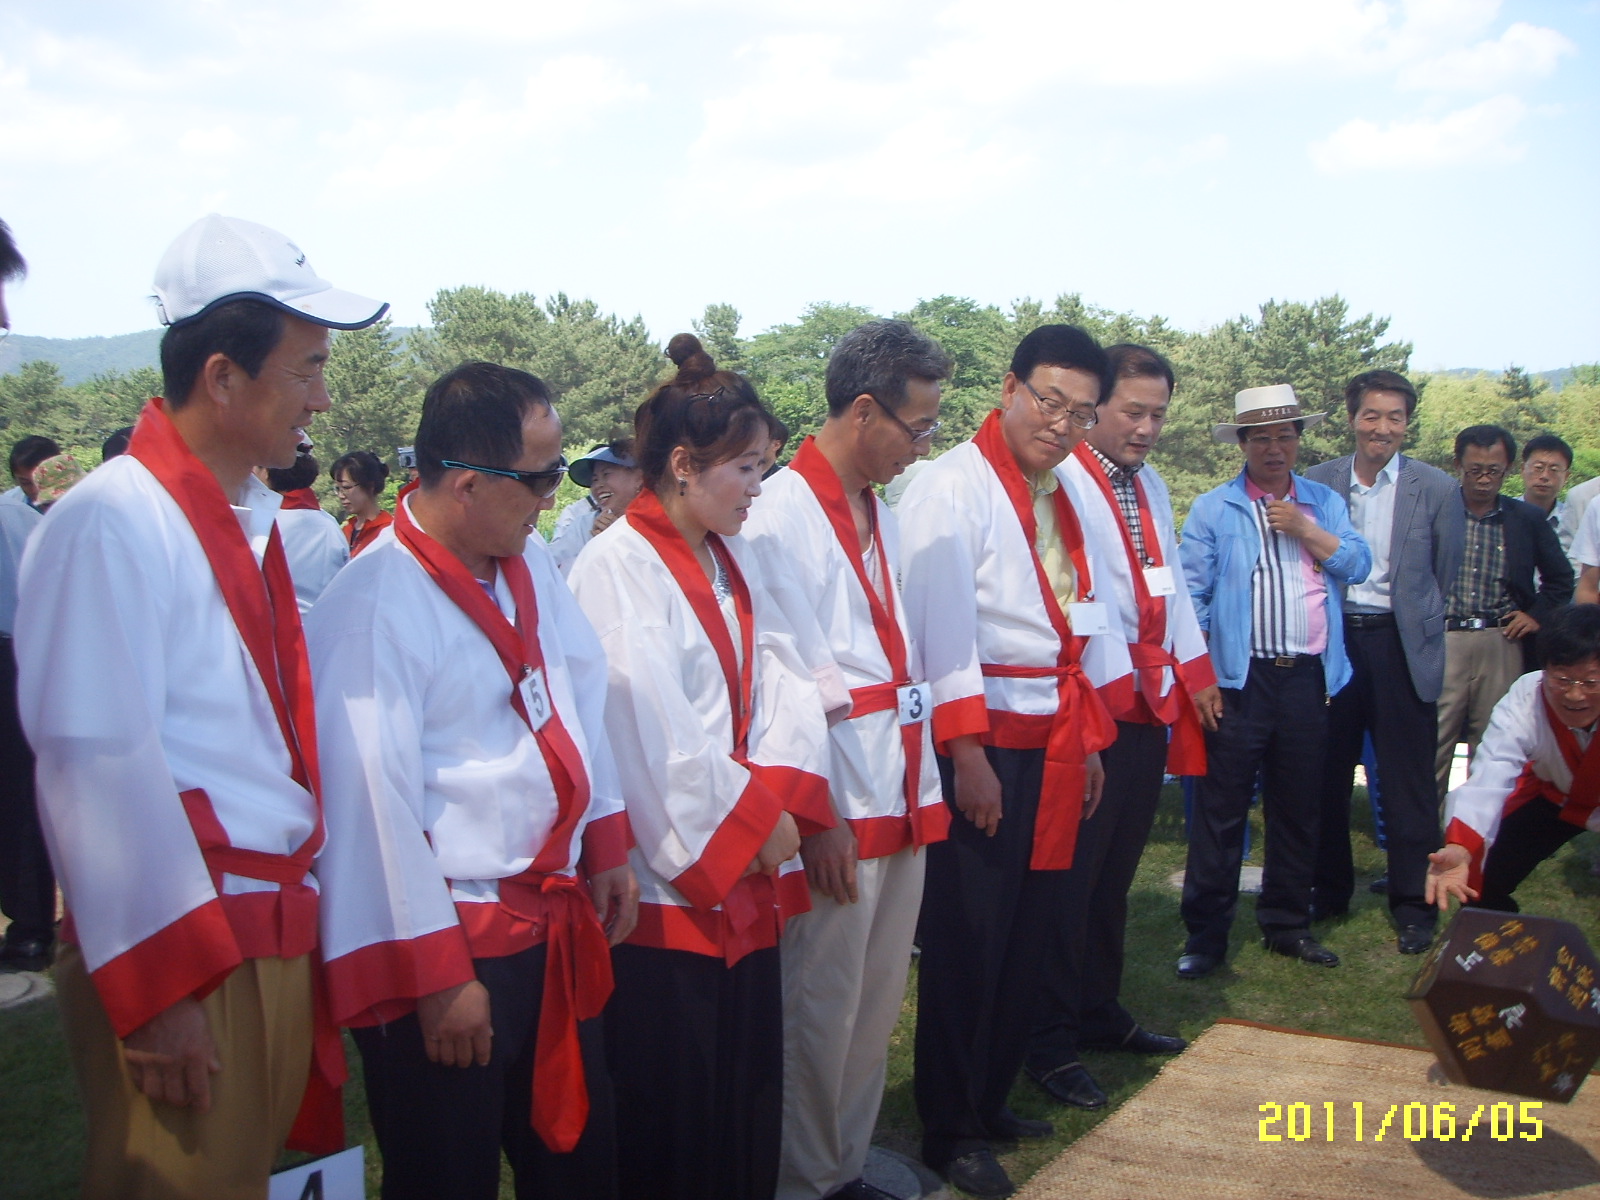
1480 665
142 1150
844 982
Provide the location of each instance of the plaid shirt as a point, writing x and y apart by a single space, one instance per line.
1480 586
1121 480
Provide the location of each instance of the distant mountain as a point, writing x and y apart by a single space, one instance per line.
81 358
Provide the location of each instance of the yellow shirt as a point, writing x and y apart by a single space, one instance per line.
1051 548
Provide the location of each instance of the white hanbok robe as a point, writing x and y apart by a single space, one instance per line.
1182 639
315 547
866 772
435 789
699 814
1519 758
135 686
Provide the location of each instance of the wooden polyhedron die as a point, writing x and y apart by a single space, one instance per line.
1511 1002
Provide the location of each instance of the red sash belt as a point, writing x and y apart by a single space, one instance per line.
1081 727
885 697
1186 755
577 984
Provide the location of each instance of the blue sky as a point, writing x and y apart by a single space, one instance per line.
1433 160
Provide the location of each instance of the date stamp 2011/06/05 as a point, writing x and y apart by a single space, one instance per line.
1415 1121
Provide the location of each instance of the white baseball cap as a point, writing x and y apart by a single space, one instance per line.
218 259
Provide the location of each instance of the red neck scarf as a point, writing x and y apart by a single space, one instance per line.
1081 725
260 598
1150 655
360 539
1583 797
577 978
647 516
301 500
812 466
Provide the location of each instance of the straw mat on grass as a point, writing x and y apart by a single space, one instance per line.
1195 1131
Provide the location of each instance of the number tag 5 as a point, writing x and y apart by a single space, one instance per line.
537 697
914 703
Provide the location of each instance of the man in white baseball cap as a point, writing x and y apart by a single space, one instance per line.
164 687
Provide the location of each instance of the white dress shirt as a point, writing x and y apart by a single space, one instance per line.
1372 514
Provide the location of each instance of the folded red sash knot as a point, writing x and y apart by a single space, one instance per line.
577 984
1080 727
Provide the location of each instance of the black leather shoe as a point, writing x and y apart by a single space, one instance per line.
29 954
979 1173
1193 966
1142 1041
1415 939
1008 1127
1379 886
1294 944
1071 1084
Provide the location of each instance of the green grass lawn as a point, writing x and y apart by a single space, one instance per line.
41 1131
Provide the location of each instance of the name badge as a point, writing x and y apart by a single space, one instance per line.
1089 617
1159 581
536 695
915 703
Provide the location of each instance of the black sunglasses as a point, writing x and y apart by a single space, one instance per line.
542 484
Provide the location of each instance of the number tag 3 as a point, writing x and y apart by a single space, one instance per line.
537 697
914 703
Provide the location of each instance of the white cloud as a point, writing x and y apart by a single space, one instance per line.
218 141
1211 148
1475 135
1522 52
427 147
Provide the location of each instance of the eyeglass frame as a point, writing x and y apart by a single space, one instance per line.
1052 410
1485 471
1564 684
525 478
917 436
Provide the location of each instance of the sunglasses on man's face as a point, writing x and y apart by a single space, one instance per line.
542 484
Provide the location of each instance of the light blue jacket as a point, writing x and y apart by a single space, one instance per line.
1219 551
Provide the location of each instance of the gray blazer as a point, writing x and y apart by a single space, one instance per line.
1425 552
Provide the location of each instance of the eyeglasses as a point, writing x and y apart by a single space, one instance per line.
542 484
1482 472
1562 684
1261 441
1539 470
916 435
1053 411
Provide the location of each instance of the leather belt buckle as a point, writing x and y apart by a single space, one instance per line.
1476 623
1284 660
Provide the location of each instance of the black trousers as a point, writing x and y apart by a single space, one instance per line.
1276 724
1527 837
441 1129
697 1052
1380 700
27 885
1081 975
985 917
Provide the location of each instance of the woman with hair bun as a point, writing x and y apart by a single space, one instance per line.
720 736
358 478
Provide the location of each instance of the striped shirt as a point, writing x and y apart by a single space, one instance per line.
1122 487
1288 591
1480 586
